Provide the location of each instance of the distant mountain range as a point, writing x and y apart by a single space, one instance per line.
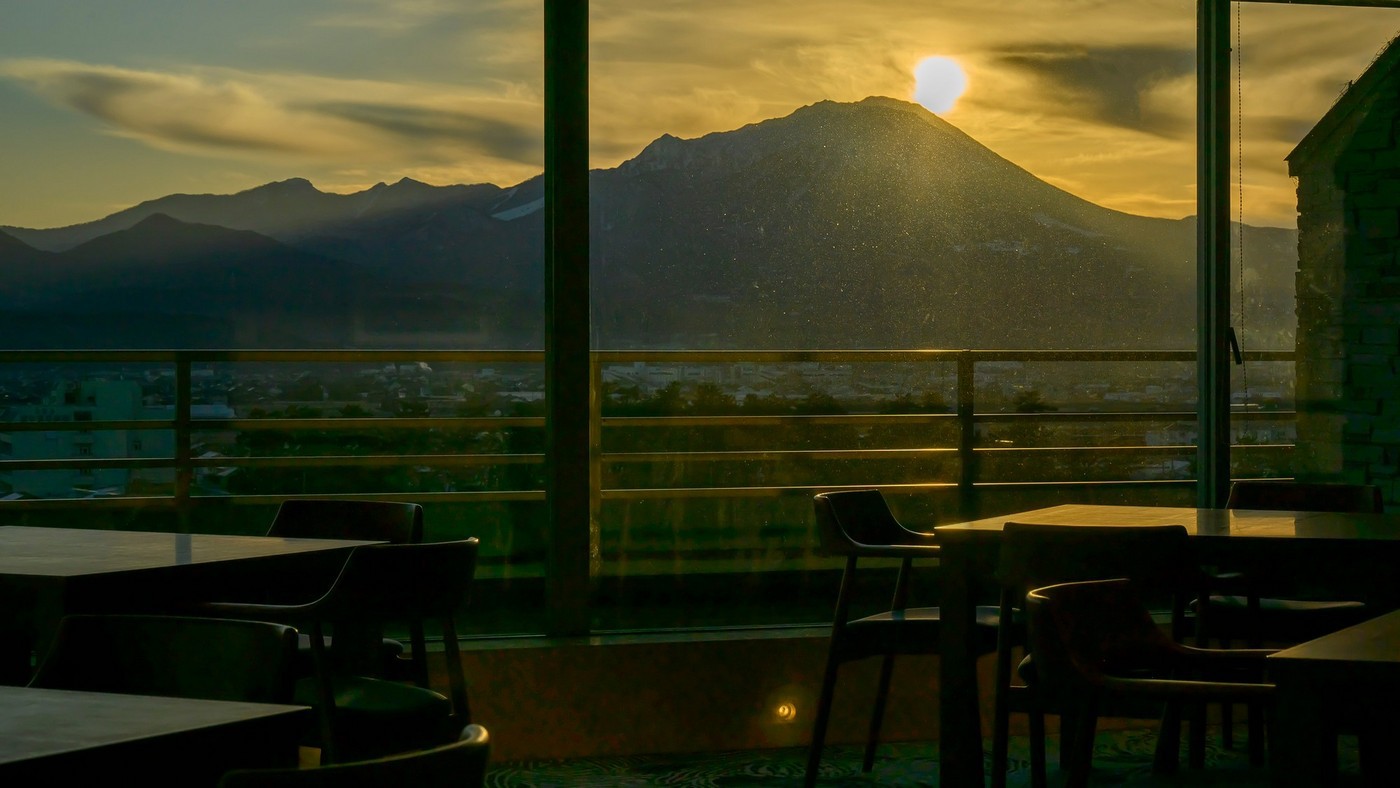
872 224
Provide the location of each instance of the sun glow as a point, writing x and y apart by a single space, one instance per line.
938 82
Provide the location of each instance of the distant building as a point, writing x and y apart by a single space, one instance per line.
89 401
1348 285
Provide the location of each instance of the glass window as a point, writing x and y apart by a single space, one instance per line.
804 212
344 193
1309 161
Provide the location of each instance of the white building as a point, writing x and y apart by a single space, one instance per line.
93 401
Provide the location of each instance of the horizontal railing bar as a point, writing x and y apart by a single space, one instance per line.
355 423
270 356
794 490
881 356
537 422
776 420
87 462
168 502
610 356
366 460
456 496
86 426
776 454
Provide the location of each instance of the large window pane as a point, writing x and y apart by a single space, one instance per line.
779 184
1304 80
346 193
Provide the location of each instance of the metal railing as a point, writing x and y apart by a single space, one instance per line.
964 415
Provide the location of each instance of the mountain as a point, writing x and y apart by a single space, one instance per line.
197 285
872 224
286 210
877 224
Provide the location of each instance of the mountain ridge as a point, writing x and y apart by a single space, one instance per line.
863 224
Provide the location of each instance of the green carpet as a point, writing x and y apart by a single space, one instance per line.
1121 758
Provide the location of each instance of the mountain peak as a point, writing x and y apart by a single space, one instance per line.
874 126
289 187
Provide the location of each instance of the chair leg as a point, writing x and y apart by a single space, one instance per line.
822 717
1037 746
1001 733
1001 715
1084 722
1256 714
1196 733
1227 714
877 716
1166 756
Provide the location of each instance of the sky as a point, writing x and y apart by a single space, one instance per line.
106 104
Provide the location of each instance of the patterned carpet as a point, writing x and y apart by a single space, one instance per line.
1121 759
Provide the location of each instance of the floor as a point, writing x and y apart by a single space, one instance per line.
1121 758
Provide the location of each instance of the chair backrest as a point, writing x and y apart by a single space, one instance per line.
1292 496
1155 557
1079 631
385 521
851 518
398 582
176 656
462 763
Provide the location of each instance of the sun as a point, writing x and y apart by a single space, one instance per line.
938 82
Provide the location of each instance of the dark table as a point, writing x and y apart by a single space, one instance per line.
46 573
1357 553
103 738
1348 680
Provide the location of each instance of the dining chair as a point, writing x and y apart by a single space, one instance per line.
176 656
1238 610
461 764
1157 558
1095 643
332 518
362 714
858 524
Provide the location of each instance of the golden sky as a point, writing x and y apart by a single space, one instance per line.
114 103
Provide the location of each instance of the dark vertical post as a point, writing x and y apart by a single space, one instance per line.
567 391
1213 251
184 471
967 436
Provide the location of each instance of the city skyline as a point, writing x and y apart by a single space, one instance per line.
115 105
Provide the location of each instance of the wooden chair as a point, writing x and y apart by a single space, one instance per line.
1256 618
1094 643
320 518
326 518
1158 558
858 524
363 715
461 763
1248 615
175 656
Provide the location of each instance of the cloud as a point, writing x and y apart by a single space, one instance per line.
1107 85
239 113
452 129
168 110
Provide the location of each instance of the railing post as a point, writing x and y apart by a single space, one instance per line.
595 467
967 438
184 471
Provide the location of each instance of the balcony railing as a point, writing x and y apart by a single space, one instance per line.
964 416
677 491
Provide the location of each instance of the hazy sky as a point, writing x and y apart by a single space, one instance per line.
105 104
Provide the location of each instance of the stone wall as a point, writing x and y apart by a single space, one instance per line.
1349 300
